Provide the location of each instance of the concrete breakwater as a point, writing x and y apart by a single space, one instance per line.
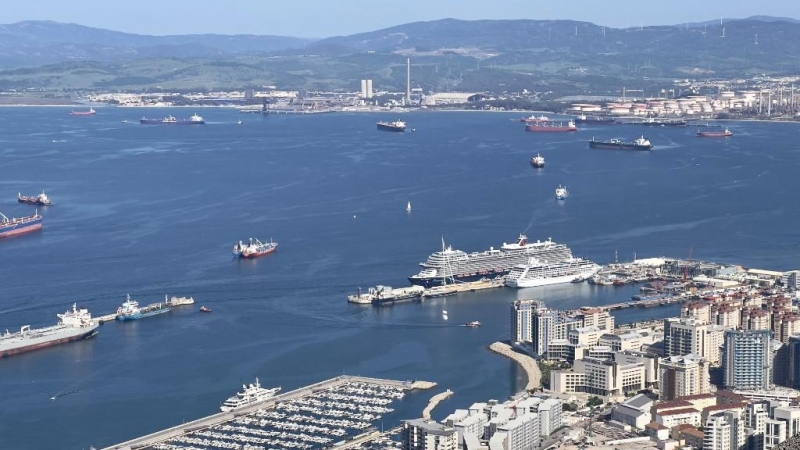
434 401
526 362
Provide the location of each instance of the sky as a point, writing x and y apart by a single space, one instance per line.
325 18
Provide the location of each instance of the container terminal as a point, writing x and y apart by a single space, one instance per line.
337 412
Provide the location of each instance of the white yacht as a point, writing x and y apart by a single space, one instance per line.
537 273
250 394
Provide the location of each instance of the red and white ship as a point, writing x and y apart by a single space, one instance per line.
551 127
254 249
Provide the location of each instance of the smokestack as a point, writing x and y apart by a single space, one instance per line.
408 81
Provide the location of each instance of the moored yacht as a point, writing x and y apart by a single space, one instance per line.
250 394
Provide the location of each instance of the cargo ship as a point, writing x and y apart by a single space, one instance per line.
90 112
19 225
536 273
169 120
251 394
254 249
537 161
618 144
725 133
72 326
397 125
40 199
551 127
600 120
448 265
130 310
385 294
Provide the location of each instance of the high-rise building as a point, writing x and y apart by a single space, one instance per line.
680 376
550 416
724 431
549 324
369 89
791 279
700 311
774 433
522 320
363 89
596 317
420 434
747 359
787 364
684 336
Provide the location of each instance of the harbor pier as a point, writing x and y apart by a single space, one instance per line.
265 422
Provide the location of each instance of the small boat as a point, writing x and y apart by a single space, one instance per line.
239 122
561 192
90 112
205 309
41 199
537 161
444 314
551 127
124 121
725 133
408 207
397 125
473 324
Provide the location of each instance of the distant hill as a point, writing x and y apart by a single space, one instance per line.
34 43
549 56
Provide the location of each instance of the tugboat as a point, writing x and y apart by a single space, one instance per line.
41 199
537 161
397 125
473 324
726 133
551 127
561 192
618 144
254 249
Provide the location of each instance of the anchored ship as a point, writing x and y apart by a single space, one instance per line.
250 394
130 310
726 133
536 273
19 225
537 161
254 249
72 326
40 199
600 120
448 265
551 127
397 125
90 112
651 122
169 120
618 144
385 294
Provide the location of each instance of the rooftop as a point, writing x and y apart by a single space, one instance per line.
687 398
431 426
672 405
655 426
677 412
638 402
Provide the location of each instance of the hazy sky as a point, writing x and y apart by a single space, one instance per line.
323 18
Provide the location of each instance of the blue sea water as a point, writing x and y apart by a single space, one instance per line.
155 210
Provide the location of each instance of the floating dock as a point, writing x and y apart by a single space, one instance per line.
334 412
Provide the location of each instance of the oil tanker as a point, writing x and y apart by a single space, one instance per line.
72 326
19 225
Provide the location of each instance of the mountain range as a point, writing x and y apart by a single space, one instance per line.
541 55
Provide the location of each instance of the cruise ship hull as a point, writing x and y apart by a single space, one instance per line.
84 333
536 282
14 229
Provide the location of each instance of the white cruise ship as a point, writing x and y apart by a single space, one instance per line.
250 394
538 273
448 265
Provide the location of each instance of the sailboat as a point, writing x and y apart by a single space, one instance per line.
408 207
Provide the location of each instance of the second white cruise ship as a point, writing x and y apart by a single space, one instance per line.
448 265
538 273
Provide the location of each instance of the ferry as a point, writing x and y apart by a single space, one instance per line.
551 127
250 394
536 273
617 144
449 265
41 199
537 161
561 192
19 225
397 125
254 249
170 120
90 112
130 310
725 133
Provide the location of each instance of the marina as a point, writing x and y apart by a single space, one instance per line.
313 417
